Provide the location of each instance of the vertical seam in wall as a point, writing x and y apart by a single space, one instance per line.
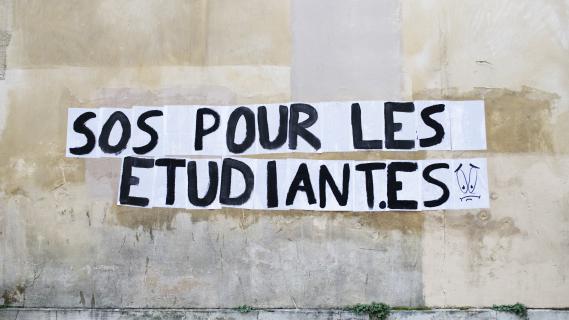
443 54
444 254
198 36
291 48
402 73
206 20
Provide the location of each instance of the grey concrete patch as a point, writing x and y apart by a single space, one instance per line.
154 314
346 49
351 49
132 258
6 7
547 314
507 316
309 315
28 314
443 314
4 41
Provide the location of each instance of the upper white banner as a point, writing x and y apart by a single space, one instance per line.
276 128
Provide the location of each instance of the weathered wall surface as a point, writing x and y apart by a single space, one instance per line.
512 54
65 243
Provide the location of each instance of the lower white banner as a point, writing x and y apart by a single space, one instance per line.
299 184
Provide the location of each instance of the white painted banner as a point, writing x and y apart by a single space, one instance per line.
330 185
276 128
153 140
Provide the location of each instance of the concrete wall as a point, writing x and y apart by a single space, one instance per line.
66 244
279 314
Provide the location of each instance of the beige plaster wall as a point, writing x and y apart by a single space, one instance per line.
514 55
65 243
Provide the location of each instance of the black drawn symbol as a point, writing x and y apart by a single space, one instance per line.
467 185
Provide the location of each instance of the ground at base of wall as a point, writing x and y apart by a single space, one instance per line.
280 314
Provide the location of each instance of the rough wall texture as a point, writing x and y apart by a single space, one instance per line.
65 243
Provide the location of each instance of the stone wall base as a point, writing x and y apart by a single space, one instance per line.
265 314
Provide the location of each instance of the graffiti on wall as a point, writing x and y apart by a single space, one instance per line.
191 156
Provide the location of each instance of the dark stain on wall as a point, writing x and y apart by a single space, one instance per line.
479 227
4 41
14 296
